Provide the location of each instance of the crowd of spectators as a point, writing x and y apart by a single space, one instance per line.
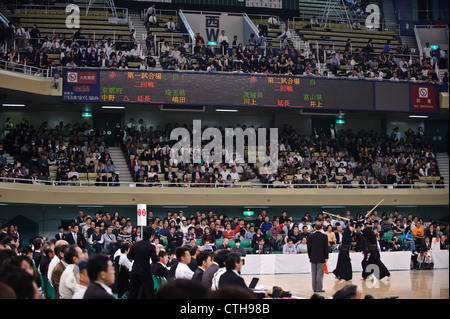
329 158
387 64
72 150
186 244
78 50
341 158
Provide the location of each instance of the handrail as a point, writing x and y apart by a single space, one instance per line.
23 68
188 28
250 22
212 185
46 7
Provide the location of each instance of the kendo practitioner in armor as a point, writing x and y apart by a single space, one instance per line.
372 258
343 269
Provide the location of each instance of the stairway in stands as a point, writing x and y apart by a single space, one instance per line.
9 158
121 165
390 20
411 42
443 165
141 34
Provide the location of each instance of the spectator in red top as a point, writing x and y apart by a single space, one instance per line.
208 236
228 232
274 231
239 226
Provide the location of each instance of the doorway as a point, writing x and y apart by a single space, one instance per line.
107 122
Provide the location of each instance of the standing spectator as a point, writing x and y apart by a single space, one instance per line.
20 37
141 283
224 43
150 11
427 51
318 256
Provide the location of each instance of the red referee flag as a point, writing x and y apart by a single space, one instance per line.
325 269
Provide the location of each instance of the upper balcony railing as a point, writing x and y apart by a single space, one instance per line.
248 184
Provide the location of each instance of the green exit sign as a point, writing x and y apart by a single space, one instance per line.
248 213
86 114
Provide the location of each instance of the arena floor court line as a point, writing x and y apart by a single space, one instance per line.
414 284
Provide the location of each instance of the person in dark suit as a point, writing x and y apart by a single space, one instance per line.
224 245
425 246
47 255
169 175
159 168
259 247
160 268
231 276
141 284
76 238
113 180
101 275
37 253
318 256
204 259
3 232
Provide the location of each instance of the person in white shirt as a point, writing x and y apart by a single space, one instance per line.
273 22
314 22
223 41
20 36
225 173
153 21
135 53
286 33
394 77
67 281
184 258
239 168
150 10
427 51
142 65
170 25
83 280
234 175
184 227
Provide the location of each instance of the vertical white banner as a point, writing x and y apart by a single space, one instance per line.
141 215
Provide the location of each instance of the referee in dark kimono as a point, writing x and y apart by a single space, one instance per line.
372 264
343 269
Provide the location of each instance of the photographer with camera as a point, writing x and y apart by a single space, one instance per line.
394 245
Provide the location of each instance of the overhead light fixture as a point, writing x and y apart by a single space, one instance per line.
113 107
226 110
419 116
12 105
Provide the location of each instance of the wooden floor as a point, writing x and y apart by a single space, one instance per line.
414 284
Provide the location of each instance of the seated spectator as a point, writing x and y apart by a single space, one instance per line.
314 22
